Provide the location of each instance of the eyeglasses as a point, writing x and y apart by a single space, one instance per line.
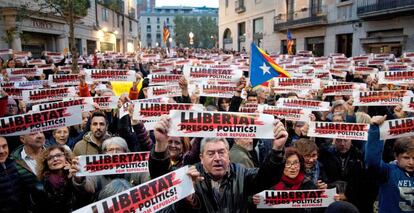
294 164
52 157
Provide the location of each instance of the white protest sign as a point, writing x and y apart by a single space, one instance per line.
67 102
109 164
153 111
205 73
286 113
104 102
23 72
40 121
220 124
397 128
43 95
298 83
163 79
30 84
293 199
151 196
164 91
396 77
213 90
352 131
302 104
380 98
343 89
67 79
109 75
408 104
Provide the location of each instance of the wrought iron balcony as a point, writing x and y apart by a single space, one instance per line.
375 8
310 21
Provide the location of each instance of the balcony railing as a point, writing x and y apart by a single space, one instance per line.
310 21
228 40
370 8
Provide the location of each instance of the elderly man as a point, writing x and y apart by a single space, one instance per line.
10 188
239 152
220 185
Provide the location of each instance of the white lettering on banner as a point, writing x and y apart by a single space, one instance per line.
43 95
220 124
380 98
40 121
293 199
109 164
352 131
302 104
397 128
109 75
151 196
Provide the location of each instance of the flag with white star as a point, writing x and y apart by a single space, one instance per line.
263 68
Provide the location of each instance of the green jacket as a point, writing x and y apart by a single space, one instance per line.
27 176
241 156
87 147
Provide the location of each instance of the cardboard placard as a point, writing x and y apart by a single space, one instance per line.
43 95
380 98
302 104
397 128
109 75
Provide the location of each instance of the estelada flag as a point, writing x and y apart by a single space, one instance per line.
165 32
263 68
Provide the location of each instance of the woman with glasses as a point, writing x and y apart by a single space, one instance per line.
56 193
293 179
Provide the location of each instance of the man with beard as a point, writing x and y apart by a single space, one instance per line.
91 144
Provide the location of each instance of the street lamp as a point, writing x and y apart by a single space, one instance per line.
191 35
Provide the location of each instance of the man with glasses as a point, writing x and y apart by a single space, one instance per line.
220 185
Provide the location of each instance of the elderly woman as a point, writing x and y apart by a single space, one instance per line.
293 178
57 192
94 184
60 136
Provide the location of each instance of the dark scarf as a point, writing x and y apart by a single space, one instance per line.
287 183
56 180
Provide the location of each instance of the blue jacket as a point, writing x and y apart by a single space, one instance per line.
396 185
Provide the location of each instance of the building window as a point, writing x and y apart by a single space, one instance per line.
227 3
258 25
168 20
105 14
130 26
344 44
290 9
283 46
148 20
316 45
158 36
148 28
117 20
158 20
315 7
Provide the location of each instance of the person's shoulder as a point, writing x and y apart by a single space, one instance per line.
16 153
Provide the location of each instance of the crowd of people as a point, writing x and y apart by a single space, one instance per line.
38 170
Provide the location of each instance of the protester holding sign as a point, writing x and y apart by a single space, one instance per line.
216 192
56 192
293 178
396 178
